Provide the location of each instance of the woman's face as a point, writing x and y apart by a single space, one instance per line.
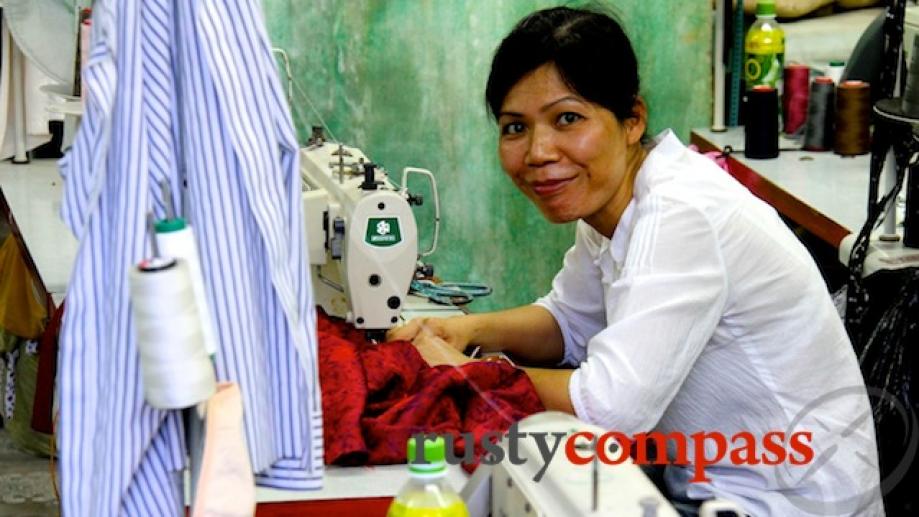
571 157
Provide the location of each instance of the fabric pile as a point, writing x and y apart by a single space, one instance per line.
28 350
375 396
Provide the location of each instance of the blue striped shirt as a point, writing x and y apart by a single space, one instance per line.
184 91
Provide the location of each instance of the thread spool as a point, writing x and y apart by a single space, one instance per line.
175 368
761 132
821 108
853 118
794 98
176 239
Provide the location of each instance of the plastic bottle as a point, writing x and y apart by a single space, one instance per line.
764 49
427 493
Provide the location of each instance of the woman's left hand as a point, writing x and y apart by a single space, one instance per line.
436 351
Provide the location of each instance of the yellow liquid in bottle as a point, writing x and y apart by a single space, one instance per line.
764 49
399 509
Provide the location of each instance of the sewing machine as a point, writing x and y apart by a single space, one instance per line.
362 237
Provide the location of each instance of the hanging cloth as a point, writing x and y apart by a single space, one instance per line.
180 92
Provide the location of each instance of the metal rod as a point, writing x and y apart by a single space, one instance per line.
151 232
718 63
341 163
595 481
167 197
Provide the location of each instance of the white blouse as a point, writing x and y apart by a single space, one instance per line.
705 313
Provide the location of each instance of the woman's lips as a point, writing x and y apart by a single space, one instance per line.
549 187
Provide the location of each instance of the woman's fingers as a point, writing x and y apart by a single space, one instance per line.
405 332
447 330
435 351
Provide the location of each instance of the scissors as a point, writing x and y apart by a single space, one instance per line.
450 293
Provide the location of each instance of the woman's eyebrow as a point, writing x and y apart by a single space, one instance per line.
558 101
544 108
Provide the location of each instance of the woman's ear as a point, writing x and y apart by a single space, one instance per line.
638 122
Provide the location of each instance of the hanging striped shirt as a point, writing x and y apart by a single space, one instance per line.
184 92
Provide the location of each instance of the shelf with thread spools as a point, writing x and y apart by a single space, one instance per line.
821 191
838 117
826 117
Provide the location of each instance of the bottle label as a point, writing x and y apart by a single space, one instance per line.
764 69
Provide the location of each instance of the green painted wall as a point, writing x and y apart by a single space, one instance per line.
404 80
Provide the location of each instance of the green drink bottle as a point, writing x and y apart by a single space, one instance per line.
764 49
427 493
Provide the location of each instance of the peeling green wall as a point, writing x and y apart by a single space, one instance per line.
404 80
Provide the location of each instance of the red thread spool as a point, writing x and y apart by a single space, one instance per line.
794 99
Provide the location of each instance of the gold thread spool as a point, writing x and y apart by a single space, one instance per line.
853 118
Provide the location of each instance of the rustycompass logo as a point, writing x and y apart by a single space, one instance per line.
613 448
853 504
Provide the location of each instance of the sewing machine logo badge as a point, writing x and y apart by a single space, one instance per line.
383 231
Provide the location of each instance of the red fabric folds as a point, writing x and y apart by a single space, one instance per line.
375 396
42 405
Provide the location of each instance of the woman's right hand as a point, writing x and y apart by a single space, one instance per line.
456 331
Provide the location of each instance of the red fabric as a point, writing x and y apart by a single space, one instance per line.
375 396
42 404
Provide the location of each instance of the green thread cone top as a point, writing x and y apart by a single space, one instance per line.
765 8
170 225
434 461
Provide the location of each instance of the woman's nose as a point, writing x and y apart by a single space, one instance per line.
543 148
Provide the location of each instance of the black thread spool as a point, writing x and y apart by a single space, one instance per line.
818 131
761 133
853 119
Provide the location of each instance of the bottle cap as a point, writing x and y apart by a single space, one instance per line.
765 8
434 460
169 225
823 80
837 63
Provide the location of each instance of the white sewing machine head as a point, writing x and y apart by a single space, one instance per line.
361 234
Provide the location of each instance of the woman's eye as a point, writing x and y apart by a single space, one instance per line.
512 128
568 118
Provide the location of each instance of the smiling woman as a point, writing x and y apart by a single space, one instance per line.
573 158
570 116
684 306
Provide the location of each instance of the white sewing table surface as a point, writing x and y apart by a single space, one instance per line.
825 193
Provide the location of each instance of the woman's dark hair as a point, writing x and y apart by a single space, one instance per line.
590 50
